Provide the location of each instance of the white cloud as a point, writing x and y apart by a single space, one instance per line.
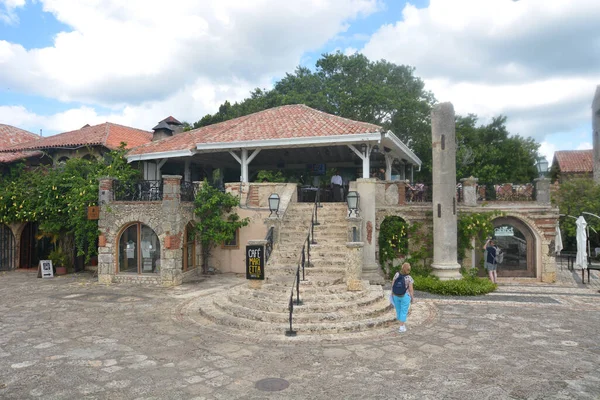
547 151
584 146
7 11
536 61
137 51
144 60
189 103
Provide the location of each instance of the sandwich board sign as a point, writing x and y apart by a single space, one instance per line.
255 262
45 269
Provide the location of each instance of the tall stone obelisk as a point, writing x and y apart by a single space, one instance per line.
443 143
596 134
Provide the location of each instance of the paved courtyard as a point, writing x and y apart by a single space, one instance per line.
71 338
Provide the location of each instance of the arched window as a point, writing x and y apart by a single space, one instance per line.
139 250
189 248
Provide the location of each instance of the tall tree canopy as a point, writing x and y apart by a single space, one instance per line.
488 153
391 96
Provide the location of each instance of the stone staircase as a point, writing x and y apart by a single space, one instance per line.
327 307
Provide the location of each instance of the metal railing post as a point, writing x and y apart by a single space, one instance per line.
291 331
303 262
298 286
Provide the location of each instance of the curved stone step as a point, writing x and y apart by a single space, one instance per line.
301 315
313 295
331 303
213 313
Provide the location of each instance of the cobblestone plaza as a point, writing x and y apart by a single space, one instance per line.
73 338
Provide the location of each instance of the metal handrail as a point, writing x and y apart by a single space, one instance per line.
304 262
269 244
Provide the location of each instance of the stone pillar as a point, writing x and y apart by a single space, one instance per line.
171 255
105 190
445 262
366 188
354 260
469 191
542 190
596 134
171 191
106 257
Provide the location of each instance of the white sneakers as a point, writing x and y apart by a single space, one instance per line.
402 329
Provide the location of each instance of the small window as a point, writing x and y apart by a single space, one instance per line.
233 243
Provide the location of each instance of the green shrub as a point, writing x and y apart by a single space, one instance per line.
468 286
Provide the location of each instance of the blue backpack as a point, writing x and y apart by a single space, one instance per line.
399 286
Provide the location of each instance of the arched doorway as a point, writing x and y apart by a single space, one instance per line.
518 244
7 248
34 246
139 250
189 248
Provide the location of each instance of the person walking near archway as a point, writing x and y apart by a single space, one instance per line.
491 262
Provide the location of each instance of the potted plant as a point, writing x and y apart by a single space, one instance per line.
59 261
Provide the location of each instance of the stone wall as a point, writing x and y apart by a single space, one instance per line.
541 220
167 219
390 193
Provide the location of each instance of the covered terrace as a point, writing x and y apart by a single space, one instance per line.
306 145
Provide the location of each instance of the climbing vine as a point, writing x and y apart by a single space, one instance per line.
57 197
400 240
476 226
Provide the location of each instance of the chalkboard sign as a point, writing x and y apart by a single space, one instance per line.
45 269
255 262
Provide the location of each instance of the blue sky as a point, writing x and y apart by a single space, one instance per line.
64 63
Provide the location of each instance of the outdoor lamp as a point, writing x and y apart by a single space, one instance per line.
274 203
353 199
363 148
542 166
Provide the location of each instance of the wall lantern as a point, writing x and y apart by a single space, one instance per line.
353 199
363 149
542 166
274 204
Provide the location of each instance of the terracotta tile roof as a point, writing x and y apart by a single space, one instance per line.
292 121
11 136
171 120
108 134
574 160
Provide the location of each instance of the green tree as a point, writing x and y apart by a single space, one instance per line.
216 221
391 96
488 153
57 198
572 198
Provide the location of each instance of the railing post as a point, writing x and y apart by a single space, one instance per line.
315 213
303 262
319 198
298 286
308 253
291 331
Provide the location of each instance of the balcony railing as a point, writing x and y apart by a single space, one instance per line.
505 192
187 191
138 191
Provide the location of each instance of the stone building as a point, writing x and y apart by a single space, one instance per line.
146 238
572 164
21 244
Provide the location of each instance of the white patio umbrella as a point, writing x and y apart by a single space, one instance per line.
558 245
581 259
